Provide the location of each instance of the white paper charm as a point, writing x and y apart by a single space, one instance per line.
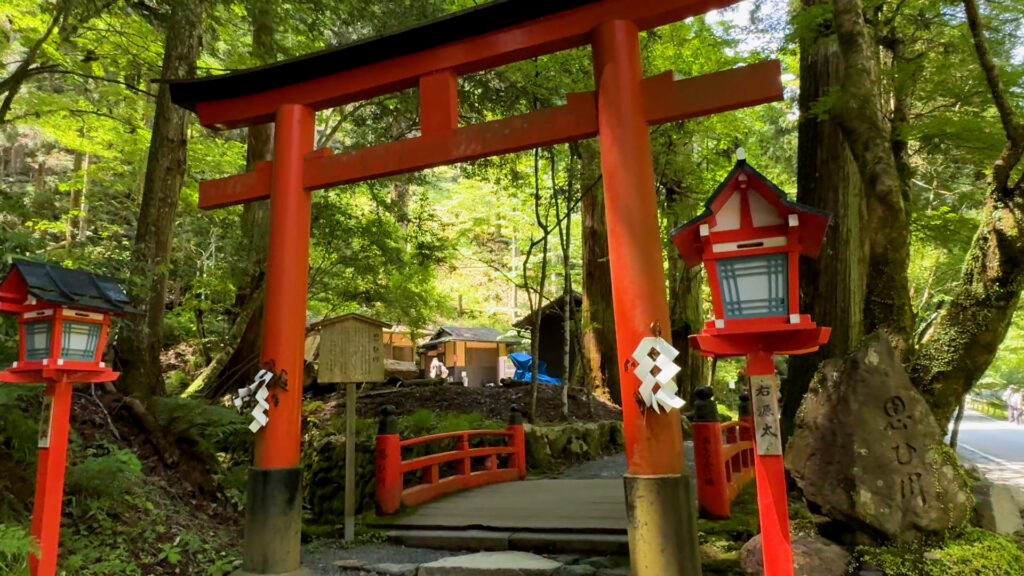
256 393
655 367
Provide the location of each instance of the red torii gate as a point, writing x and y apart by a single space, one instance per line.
431 57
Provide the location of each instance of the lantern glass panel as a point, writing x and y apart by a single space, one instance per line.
754 286
37 340
79 340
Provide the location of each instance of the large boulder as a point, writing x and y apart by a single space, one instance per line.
812 556
869 453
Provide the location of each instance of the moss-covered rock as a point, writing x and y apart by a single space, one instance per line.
553 447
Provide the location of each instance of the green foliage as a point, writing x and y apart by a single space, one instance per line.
103 475
216 429
16 543
976 552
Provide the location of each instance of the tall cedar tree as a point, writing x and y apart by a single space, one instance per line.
141 338
833 286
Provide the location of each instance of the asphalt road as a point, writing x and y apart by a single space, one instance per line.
996 446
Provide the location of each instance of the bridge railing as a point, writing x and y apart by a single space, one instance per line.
723 454
494 463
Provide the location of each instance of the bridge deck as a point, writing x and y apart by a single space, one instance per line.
550 505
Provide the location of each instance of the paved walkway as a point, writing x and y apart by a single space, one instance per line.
996 447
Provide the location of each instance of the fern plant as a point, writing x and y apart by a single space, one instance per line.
15 545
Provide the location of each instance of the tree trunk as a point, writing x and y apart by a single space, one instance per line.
538 304
685 296
242 361
599 353
565 243
954 436
216 379
859 110
833 286
965 337
141 340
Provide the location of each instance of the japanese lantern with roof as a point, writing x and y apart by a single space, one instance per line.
750 238
63 322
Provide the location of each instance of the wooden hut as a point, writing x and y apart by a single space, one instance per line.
552 334
472 355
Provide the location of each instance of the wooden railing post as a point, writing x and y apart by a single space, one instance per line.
517 440
388 456
463 467
712 487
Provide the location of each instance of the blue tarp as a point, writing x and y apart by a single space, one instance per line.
524 369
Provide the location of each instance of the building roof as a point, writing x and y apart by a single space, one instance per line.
457 26
813 222
63 286
556 308
350 316
465 334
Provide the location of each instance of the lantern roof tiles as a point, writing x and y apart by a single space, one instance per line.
813 223
63 286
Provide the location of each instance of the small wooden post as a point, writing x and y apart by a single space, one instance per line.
351 351
350 462
518 440
712 484
388 479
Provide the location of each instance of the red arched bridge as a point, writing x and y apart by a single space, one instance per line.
557 514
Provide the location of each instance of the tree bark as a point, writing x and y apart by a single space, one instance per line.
859 110
568 316
599 352
536 305
832 287
141 340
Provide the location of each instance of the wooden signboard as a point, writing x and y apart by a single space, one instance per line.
764 394
351 349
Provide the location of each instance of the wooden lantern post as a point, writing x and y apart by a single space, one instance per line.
63 320
351 351
750 239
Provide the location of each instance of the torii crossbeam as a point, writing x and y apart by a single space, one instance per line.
432 57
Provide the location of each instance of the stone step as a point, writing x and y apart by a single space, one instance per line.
506 563
494 540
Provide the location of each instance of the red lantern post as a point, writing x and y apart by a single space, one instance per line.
64 318
750 239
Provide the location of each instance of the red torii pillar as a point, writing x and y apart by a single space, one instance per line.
659 499
273 501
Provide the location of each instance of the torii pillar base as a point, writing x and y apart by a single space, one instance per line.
662 527
273 521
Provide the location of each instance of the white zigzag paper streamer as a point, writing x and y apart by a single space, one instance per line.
664 398
258 389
